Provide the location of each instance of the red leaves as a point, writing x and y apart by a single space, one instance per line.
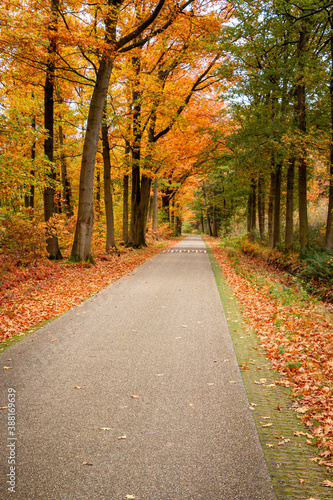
46 289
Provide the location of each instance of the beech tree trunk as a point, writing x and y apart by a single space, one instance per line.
85 218
125 208
52 244
261 207
302 168
110 237
29 199
66 186
271 209
329 225
155 207
252 216
277 206
289 237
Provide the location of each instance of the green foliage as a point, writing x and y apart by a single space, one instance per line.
316 272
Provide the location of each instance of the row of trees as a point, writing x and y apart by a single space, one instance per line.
281 107
118 83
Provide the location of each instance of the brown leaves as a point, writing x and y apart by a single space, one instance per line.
47 289
296 337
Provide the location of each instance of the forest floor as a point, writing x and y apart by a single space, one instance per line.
295 331
34 290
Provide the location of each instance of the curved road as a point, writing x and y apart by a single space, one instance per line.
139 396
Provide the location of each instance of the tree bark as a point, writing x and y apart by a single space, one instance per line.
29 199
329 225
125 208
302 167
52 244
155 207
66 186
85 219
289 237
110 236
277 206
261 207
271 209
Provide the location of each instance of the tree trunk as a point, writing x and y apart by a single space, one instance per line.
66 186
329 225
29 199
98 192
52 244
289 237
261 207
125 208
271 209
277 206
252 216
85 219
155 207
302 168
110 237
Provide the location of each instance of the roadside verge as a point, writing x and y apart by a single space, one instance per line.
291 460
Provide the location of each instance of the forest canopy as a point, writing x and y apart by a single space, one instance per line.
122 120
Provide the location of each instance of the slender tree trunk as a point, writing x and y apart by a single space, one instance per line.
29 199
261 207
125 208
271 209
110 236
251 216
66 186
289 238
302 167
155 207
52 244
98 192
277 206
214 221
329 225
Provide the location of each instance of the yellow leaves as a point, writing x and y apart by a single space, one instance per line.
130 497
7 367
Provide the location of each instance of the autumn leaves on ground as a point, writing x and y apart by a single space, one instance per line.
296 333
33 291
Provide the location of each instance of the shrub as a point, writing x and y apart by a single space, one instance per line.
22 233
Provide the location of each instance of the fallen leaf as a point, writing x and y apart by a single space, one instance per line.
184 326
53 340
86 463
270 445
7 367
3 407
105 428
160 375
130 497
191 404
210 383
267 425
122 437
328 483
134 396
77 387
301 481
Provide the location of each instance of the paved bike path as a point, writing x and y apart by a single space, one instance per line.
160 335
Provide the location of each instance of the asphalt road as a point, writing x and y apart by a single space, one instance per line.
136 393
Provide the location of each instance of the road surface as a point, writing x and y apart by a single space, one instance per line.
136 393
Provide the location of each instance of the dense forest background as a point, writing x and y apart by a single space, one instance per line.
122 120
